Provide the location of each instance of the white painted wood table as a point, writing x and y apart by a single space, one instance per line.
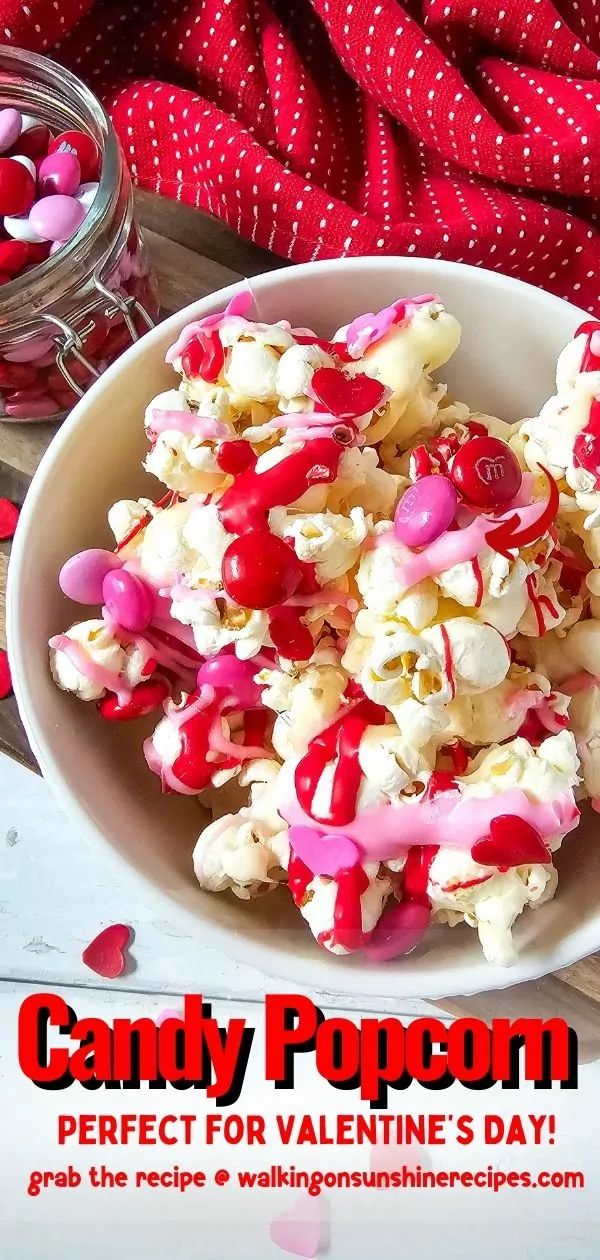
56 894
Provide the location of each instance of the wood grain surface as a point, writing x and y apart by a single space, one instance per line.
193 255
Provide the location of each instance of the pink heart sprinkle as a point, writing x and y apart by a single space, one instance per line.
323 854
299 1229
399 930
169 1013
106 953
390 1157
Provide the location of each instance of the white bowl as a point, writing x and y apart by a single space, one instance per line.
512 334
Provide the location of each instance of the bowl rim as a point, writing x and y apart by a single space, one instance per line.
329 973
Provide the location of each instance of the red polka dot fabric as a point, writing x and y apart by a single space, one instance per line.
461 129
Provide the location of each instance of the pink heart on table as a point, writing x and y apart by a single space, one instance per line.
323 854
299 1229
390 1157
344 396
169 1013
106 953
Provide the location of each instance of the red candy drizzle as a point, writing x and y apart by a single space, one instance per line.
144 699
299 877
347 913
415 875
340 742
167 501
246 504
192 767
590 362
291 638
204 356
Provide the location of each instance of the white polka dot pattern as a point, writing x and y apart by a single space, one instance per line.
464 129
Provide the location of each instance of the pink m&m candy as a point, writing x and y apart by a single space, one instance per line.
10 128
56 218
425 511
128 599
81 577
59 173
486 472
398 931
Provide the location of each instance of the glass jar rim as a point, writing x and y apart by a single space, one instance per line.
44 74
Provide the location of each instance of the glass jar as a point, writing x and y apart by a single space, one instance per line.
63 321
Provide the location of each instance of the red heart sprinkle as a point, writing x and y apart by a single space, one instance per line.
9 515
512 842
106 953
346 397
5 678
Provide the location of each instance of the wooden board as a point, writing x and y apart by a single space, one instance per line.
193 255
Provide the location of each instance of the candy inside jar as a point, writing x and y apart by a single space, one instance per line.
75 283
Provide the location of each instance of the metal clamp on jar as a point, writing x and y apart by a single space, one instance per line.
65 320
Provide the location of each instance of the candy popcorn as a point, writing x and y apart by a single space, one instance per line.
366 620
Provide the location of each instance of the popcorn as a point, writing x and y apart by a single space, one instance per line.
462 891
164 553
100 653
544 774
318 906
551 436
402 357
247 852
306 703
582 646
391 762
329 540
584 713
496 715
125 516
376 581
295 371
458 656
216 624
185 463
435 734
172 400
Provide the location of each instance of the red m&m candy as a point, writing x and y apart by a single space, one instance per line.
486 473
32 142
14 257
17 187
85 149
260 570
